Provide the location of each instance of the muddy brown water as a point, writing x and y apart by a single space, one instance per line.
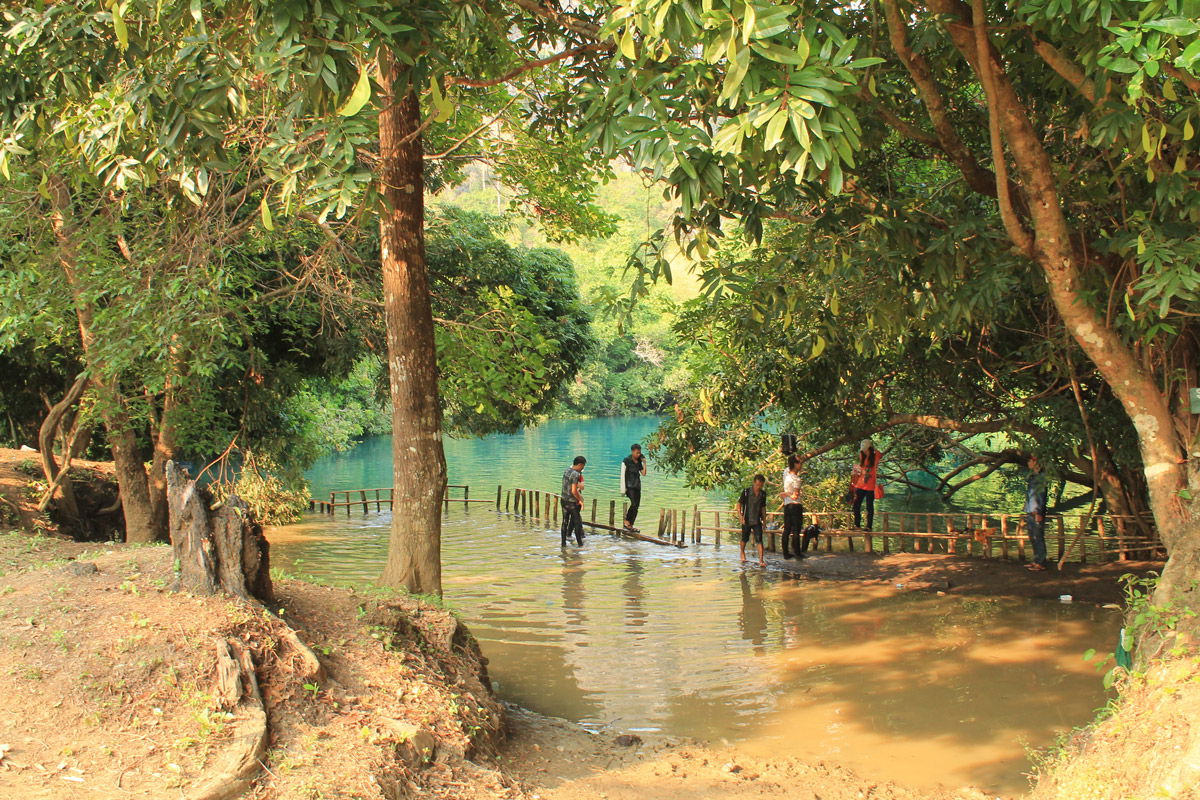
632 636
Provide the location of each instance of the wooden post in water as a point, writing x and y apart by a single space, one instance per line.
696 524
499 492
593 509
466 494
612 513
363 494
1062 537
717 529
556 509
661 521
507 501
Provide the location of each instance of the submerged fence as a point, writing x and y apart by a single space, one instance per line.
1069 537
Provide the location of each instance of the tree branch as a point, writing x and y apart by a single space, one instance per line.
929 421
1187 79
527 66
1067 69
978 178
1016 231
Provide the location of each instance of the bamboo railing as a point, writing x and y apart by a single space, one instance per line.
1069 537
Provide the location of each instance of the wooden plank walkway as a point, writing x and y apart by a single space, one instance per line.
1078 537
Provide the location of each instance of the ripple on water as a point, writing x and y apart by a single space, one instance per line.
909 686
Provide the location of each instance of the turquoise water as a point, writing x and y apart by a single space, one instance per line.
532 459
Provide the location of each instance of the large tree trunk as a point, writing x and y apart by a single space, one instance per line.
418 462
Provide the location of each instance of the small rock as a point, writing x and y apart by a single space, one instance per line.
628 740
81 568
731 768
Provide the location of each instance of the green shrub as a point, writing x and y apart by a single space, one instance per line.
273 500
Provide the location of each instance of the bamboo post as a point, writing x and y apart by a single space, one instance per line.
662 519
593 509
696 524
612 513
362 493
717 529
466 494
556 511
499 492
1062 538
331 502
507 501
674 524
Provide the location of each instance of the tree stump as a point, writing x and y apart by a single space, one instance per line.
216 550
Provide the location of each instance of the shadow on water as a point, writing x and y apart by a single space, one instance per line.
909 686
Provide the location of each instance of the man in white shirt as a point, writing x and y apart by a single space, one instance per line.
793 509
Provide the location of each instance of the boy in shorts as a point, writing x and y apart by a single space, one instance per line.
751 508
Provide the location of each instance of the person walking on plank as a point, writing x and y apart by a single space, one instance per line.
793 509
632 470
572 501
751 507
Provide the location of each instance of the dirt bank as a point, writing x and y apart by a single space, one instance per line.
1086 583
1147 745
22 484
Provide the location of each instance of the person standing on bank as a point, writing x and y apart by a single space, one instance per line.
793 509
1035 514
572 501
751 508
865 480
632 470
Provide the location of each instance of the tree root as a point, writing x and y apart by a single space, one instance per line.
235 769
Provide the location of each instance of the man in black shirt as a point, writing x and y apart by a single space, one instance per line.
572 501
750 509
632 470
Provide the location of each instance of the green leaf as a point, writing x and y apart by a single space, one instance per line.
628 47
1188 130
1176 26
359 97
264 211
773 132
818 346
119 27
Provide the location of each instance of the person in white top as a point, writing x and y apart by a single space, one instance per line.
793 509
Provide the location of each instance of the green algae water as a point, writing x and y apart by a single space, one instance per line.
634 636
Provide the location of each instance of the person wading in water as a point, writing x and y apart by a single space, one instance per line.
750 508
572 501
632 470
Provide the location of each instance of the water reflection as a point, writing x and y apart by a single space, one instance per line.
753 617
910 686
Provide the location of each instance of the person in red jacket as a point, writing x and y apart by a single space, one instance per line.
865 480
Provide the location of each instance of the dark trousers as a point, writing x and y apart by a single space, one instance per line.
869 496
635 500
1037 537
572 522
793 522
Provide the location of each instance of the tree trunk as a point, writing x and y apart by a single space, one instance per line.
163 435
215 551
132 485
59 480
418 462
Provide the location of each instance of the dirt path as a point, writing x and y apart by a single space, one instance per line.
556 760
1086 583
